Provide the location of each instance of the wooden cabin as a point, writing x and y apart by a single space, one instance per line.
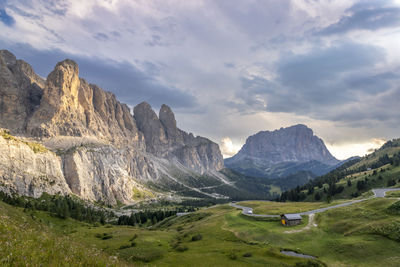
290 219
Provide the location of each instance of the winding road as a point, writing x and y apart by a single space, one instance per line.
378 192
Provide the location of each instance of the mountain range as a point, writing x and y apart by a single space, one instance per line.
64 135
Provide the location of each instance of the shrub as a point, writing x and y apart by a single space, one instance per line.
133 244
133 237
104 236
181 248
232 255
197 237
394 208
309 263
247 255
391 182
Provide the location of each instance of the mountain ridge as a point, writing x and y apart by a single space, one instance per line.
94 147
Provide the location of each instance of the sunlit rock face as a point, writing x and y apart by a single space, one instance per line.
96 148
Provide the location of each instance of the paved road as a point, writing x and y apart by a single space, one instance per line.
249 211
378 192
381 192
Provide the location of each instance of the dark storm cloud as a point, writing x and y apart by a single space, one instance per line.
5 18
311 72
366 16
130 84
325 84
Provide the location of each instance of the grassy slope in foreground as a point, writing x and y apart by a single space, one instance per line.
26 238
360 235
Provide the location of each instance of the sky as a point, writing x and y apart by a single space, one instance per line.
230 68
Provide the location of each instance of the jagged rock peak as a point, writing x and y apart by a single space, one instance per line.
63 74
167 119
295 143
8 57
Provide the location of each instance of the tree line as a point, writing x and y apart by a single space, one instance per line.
60 206
145 217
331 178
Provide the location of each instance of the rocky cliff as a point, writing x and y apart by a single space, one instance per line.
95 147
283 152
164 139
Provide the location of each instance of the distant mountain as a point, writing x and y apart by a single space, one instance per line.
283 152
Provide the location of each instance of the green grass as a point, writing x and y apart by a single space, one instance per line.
36 147
359 235
25 238
395 194
141 193
378 180
363 234
271 207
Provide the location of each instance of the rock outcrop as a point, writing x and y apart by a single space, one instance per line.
296 143
164 139
96 148
295 148
20 92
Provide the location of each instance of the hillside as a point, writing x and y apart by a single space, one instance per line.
378 169
364 234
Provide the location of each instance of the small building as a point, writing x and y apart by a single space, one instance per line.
290 219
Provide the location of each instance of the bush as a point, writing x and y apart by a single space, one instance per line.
181 248
394 208
391 182
133 244
309 263
104 236
197 237
232 255
133 237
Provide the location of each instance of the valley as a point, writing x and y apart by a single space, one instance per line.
81 172
361 234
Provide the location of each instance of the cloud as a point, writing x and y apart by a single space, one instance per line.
228 149
244 66
368 15
332 83
130 84
6 19
101 36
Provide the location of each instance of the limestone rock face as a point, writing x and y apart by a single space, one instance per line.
29 173
20 92
95 147
296 143
152 129
72 107
164 139
283 152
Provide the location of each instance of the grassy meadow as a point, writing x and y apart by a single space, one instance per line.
363 234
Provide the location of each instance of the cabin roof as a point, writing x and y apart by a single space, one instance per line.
292 216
